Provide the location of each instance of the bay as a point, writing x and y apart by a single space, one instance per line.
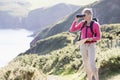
12 43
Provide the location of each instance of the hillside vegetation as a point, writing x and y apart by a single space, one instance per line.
62 62
52 43
62 58
110 38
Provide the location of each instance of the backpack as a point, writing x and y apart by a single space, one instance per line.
78 38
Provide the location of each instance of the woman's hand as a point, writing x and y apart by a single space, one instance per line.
89 39
77 19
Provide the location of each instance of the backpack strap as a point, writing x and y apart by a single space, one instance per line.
91 28
83 25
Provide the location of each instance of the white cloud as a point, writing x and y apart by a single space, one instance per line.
46 3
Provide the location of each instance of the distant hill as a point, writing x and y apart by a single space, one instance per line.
37 19
107 11
8 21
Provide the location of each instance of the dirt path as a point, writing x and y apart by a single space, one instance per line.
74 77
67 77
53 77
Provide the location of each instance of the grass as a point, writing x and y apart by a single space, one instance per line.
49 44
63 63
63 59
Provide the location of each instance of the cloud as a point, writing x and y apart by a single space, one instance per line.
47 3
15 7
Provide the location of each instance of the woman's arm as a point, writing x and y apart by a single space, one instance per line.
75 26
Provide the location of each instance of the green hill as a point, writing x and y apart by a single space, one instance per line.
52 43
62 62
110 38
107 11
63 59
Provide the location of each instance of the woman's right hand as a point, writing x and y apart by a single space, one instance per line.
77 19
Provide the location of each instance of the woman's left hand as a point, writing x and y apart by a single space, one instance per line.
89 39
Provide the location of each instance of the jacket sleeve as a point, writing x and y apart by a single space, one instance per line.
98 32
75 26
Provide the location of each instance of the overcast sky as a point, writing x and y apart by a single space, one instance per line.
46 3
22 7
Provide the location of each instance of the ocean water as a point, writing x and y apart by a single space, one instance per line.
12 43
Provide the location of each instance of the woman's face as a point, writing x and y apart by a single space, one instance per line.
87 16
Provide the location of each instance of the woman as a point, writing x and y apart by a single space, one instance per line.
88 48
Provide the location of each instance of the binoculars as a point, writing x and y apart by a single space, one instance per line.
81 15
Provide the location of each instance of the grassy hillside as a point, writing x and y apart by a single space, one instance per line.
63 59
107 11
64 62
110 38
15 71
52 43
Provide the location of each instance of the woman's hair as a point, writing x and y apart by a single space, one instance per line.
88 11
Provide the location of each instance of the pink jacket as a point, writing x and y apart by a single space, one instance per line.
96 29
